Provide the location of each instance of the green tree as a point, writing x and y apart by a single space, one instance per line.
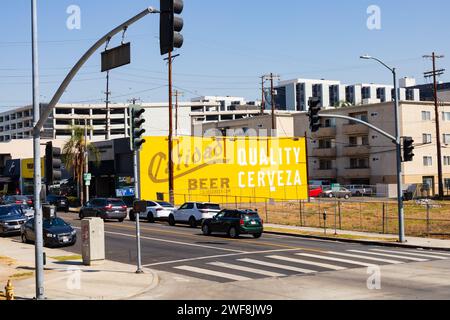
74 152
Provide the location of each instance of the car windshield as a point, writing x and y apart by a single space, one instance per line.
165 204
55 222
208 206
9 211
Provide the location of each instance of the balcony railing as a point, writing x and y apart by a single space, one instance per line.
324 152
356 150
351 129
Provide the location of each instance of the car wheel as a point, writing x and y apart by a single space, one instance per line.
172 221
330 196
24 238
257 235
206 230
358 194
81 215
233 233
346 197
121 220
132 216
150 218
192 222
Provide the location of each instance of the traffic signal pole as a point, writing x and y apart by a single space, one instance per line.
39 246
171 179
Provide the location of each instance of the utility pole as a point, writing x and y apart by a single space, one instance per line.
170 59
263 98
176 95
271 77
108 114
434 74
86 159
38 229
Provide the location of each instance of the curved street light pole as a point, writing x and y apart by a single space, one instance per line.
401 214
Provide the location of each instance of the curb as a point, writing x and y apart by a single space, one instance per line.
364 242
153 285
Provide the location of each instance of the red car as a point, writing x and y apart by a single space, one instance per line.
315 192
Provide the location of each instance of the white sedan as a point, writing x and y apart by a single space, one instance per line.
156 211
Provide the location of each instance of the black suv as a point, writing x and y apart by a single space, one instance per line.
234 223
105 208
60 202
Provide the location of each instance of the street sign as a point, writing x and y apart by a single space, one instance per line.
116 57
87 177
87 183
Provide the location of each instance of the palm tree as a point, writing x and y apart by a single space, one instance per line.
74 156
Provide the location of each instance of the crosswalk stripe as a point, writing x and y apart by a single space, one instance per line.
364 257
389 255
318 264
213 273
247 269
412 254
277 266
358 263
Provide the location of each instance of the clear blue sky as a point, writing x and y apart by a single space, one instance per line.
228 45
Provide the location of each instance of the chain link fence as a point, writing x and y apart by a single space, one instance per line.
422 218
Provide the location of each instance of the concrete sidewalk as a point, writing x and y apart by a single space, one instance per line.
66 278
360 237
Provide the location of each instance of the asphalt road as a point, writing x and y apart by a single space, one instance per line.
181 255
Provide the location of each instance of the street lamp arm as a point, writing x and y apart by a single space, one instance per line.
46 113
384 64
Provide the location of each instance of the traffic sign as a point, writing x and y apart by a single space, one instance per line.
87 177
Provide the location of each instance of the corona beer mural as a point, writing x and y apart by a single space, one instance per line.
272 168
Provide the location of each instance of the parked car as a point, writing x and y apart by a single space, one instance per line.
340 193
156 211
360 191
18 200
11 219
56 233
315 192
30 198
234 223
193 213
105 208
60 202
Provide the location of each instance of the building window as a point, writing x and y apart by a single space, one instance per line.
325 144
426 138
445 116
446 161
446 138
326 165
359 163
428 161
426 115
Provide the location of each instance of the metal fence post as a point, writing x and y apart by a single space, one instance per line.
428 219
384 218
301 213
335 217
267 212
340 215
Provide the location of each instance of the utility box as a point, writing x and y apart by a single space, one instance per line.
93 241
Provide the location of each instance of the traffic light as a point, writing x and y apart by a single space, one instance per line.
53 164
170 25
137 130
314 109
408 149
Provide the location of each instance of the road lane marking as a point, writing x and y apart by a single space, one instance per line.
175 242
389 255
247 269
358 263
213 273
219 256
318 264
364 257
411 254
277 266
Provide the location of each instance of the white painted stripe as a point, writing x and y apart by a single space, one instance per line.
411 254
357 263
219 256
318 264
247 269
213 273
389 255
364 257
277 266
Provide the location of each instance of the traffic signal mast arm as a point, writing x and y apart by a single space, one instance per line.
384 133
48 110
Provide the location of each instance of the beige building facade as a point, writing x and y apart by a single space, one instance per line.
352 154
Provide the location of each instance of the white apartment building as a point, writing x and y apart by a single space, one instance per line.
352 154
293 95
